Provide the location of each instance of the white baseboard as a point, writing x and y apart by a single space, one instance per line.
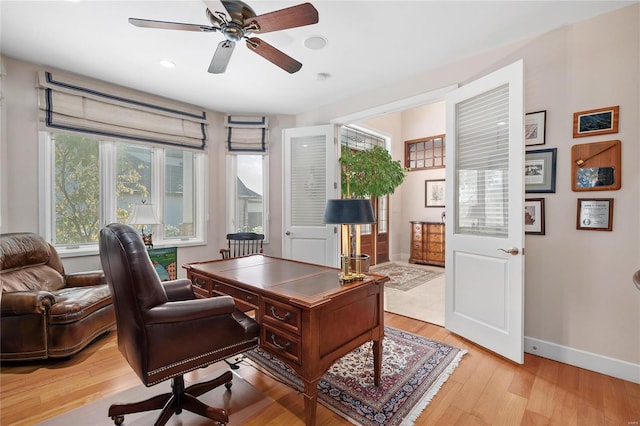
587 360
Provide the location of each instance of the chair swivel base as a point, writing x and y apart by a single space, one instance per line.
180 398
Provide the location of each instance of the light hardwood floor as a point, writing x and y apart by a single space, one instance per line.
484 390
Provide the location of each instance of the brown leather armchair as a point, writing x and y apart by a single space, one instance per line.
164 331
44 311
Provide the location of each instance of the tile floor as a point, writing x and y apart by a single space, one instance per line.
425 302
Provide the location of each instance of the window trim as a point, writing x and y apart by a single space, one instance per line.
46 188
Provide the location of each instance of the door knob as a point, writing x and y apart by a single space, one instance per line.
287 233
512 251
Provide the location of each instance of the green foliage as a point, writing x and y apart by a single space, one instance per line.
370 173
77 188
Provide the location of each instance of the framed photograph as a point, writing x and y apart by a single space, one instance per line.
596 122
595 214
434 193
534 128
540 170
534 216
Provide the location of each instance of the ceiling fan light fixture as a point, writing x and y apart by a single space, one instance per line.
315 42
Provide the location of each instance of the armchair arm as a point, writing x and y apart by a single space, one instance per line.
84 279
179 289
189 310
26 302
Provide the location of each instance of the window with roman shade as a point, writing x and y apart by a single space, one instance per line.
78 104
246 134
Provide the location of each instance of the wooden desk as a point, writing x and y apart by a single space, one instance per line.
308 319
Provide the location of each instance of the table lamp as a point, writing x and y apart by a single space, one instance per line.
143 215
347 212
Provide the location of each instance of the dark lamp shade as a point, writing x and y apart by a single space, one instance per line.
349 211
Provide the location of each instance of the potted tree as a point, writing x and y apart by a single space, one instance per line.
369 173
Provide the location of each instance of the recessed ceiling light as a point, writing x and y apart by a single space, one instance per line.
167 63
315 42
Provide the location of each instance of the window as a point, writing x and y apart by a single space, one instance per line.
89 182
247 193
426 153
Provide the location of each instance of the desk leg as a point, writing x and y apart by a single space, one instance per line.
310 401
377 361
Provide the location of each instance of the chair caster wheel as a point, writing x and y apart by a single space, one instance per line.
117 420
228 385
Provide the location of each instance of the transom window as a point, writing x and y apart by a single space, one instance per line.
425 153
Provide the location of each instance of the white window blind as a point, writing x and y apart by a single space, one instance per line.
246 134
79 104
483 164
308 181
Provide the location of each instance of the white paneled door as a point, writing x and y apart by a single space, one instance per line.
485 212
310 178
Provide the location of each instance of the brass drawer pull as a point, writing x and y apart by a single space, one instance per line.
276 316
197 283
282 348
249 298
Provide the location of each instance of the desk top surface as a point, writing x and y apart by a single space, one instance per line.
300 282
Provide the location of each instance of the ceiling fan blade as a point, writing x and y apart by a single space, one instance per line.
164 25
221 57
290 17
273 55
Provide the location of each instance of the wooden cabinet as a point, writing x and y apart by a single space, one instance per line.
427 243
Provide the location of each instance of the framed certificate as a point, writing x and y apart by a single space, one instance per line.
595 214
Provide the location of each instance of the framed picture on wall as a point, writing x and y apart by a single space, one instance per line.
593 122
595 214
540 170
535 128
534 216
434 193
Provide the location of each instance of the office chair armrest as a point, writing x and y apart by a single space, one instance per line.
179 289
189 310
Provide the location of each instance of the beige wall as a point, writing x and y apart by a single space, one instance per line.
580 304
579 300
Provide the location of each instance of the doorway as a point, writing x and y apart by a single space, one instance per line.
425 302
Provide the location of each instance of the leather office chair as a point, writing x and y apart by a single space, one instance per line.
164 331
242 244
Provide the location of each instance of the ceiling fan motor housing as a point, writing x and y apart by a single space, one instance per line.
232 31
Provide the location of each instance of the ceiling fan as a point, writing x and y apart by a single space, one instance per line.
240 21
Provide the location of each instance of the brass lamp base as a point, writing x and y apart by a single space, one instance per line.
346 275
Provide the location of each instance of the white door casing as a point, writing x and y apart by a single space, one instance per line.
309 179
484 284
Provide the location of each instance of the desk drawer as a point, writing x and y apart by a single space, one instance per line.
280 315
243 296
280 344
201 285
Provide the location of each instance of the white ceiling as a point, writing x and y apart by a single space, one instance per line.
370 43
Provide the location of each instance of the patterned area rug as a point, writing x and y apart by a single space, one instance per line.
413 369
403 277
